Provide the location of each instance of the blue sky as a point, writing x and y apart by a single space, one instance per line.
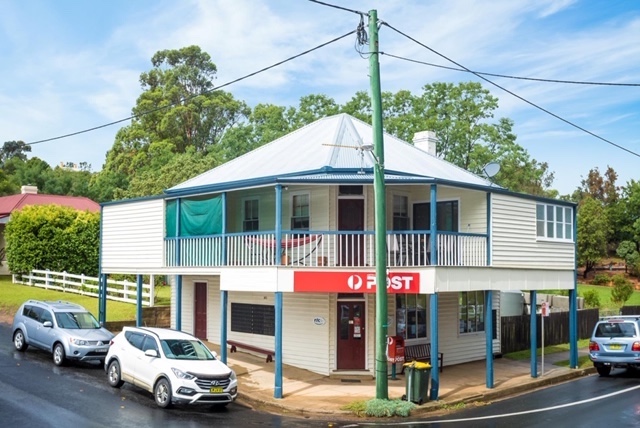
69 65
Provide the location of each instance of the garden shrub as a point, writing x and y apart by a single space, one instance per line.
601 279
591 298
622 290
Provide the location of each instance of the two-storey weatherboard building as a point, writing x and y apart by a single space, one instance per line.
275 250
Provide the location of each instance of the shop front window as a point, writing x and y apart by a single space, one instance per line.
411 316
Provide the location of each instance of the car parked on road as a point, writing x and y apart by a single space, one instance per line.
174 366
615 342
67 330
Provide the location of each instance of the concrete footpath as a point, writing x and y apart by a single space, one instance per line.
308 394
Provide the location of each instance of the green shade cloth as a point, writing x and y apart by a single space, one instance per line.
199 216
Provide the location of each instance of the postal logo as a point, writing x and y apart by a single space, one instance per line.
354 282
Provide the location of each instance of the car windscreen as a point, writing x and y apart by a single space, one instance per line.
180 349
76 320
618 329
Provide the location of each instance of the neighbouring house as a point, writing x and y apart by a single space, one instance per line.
275 250
29 196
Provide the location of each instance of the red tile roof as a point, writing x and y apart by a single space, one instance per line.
8 204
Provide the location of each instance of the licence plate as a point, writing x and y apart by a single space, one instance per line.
216 390
615 347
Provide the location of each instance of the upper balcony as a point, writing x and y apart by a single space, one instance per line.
326 249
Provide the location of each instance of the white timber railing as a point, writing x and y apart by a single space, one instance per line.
122 291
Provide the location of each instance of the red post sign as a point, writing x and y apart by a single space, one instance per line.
353 282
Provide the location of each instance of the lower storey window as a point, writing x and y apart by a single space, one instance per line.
254 319
411 316
471 305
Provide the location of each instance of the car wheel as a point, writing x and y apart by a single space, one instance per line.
58 354
19 341
603 370
113 374
162 393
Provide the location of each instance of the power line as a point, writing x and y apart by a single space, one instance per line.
513 93
340 7
535 79
246 76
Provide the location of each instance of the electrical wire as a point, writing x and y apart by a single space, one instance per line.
513 93
246 76
535 79
340 7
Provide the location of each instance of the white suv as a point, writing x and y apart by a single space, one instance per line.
175 367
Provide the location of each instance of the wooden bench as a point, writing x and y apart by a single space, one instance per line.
421 352
235 345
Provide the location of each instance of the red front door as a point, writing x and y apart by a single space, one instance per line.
351 336
200 304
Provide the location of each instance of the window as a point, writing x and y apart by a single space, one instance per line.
251 215
254 319
471 305
446 216
400 212
300 212
411 316
554 222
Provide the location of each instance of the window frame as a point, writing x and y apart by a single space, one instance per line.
401 219
464 322
300 217
251 220
549 225
402 314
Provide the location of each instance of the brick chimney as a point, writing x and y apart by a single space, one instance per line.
426 141
29 190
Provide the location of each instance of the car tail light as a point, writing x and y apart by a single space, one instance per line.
593 346
635 347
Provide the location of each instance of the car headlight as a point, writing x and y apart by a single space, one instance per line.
78 342
182 375
233 375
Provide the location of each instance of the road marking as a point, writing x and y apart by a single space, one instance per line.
506 415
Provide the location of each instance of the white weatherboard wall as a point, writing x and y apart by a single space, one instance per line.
514 240
456 347
132 237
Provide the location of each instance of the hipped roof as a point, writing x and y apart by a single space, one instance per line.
329 150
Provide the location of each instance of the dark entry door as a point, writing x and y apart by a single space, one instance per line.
200 305
351 217
351 336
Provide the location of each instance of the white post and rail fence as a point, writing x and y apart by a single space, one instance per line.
122 291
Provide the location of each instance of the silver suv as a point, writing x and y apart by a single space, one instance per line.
615 342
67 330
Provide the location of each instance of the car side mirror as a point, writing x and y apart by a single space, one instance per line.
215 354
151 353
47 324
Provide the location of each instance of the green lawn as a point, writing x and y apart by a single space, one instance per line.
13 295
605 296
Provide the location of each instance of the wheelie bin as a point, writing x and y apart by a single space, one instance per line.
417 381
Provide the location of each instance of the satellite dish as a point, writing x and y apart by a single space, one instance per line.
491 169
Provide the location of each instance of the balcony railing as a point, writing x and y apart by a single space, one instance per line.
325 249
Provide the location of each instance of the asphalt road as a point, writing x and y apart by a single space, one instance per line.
587 402
34 392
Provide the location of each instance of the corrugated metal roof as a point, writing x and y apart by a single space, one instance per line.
329 144
8 204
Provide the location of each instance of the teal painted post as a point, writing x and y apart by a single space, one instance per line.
224 258
488 331
139 301
533 330
573 303
488 228
277 393
102 293
435 376
179 302
433 227
224 299
277 390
